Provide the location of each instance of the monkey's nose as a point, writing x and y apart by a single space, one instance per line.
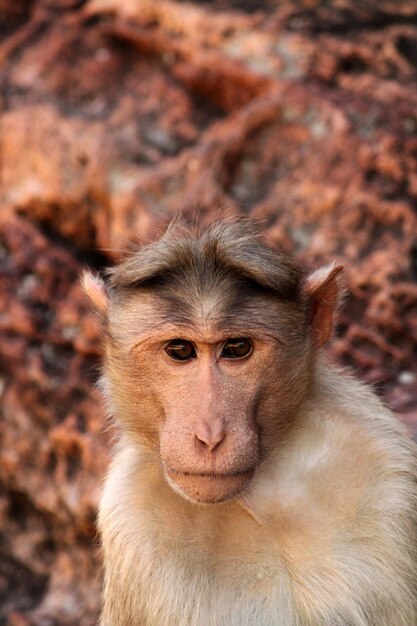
209 436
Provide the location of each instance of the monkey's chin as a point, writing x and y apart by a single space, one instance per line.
208 488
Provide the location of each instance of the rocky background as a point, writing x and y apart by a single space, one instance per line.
116 115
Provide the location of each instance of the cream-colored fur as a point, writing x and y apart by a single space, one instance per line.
325 535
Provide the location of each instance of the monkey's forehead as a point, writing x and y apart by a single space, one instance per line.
145 315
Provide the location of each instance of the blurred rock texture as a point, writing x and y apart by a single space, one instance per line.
114 116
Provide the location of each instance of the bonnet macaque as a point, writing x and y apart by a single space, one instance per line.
252 483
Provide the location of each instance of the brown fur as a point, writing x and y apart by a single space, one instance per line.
273 490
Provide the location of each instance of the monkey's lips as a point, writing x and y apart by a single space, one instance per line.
209 487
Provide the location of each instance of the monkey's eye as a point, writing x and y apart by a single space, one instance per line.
180 350
236 348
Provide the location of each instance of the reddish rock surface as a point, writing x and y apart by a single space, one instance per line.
115 116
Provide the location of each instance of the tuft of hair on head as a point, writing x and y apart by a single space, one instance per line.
231 247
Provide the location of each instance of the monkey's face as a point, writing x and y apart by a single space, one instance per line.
209 350
208 400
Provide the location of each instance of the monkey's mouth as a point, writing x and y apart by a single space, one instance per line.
209 487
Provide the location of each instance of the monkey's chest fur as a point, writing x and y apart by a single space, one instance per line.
188 585
205 574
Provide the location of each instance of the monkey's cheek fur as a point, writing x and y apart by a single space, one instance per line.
208 489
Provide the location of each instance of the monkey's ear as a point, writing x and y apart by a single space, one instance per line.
95 288
323 292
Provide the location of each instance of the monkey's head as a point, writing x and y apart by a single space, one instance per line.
209 352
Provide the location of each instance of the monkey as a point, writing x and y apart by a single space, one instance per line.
253 482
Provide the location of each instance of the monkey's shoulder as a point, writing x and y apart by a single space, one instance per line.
357 457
